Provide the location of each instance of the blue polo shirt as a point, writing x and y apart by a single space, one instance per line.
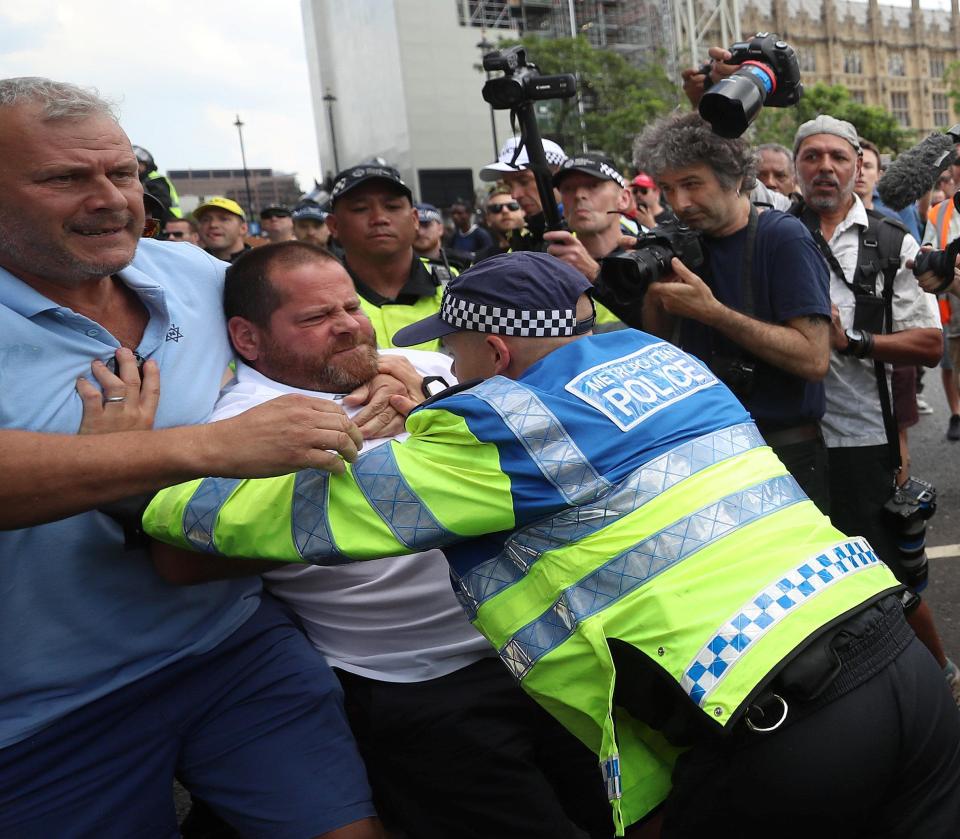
81 617
790 280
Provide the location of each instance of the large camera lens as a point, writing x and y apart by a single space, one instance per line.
626 276
734 102
937 261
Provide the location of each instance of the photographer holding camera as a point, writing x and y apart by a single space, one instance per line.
758 309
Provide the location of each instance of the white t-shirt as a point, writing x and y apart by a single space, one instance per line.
854 416
393 619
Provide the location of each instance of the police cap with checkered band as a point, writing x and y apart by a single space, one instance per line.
599 166
527 295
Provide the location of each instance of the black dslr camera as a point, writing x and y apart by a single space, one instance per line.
625 276
769 74
516 90
908 510
940 262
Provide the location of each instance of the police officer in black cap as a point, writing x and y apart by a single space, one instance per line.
376 224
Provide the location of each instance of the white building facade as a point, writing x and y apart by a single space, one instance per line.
407 88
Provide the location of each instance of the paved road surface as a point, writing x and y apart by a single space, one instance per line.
935 459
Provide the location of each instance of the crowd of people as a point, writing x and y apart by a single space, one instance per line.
630 563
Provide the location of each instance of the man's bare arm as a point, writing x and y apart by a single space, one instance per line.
800 346
52 476
186 568
911 346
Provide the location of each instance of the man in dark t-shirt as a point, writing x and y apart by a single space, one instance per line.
757 310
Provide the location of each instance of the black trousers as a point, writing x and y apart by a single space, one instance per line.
807 462
861 482
881 761
470 756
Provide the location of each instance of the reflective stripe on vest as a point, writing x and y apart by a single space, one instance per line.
544 438
309 521
526 546
388 492
639 564
200 514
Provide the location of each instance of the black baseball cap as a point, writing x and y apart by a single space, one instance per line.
354 176
313 212
526 294
598 165
276 211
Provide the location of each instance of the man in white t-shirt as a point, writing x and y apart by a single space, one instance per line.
453 747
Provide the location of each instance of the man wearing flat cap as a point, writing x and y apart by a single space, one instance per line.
644 565
881 316
376 224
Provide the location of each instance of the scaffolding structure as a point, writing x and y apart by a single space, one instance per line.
674 32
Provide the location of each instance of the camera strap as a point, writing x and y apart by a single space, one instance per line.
746 270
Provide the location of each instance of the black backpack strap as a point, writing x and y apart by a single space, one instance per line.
880 246
879 251
811 221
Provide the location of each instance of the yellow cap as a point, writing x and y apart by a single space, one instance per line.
220 203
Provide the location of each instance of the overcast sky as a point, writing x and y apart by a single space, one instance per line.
180 72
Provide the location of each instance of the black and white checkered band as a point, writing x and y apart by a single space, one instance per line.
554 158
605 169
481 317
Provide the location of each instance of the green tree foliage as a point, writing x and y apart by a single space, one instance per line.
952 77
619 99
779 125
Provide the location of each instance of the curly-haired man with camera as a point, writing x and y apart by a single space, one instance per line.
758 309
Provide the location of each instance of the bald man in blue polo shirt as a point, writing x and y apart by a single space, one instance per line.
112 681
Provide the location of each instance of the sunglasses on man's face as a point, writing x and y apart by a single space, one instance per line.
643 190
506 205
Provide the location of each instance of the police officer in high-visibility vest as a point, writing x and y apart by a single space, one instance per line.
373 219
644 565
159 186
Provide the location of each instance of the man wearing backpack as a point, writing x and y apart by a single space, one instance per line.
881 316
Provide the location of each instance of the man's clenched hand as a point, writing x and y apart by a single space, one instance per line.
280 436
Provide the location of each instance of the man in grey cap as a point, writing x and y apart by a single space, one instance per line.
879 318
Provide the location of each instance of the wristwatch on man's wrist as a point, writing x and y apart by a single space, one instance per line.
859 343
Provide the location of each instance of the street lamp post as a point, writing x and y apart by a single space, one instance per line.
485 46
330 99
246 173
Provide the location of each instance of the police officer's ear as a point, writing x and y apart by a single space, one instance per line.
245 337
623 200
499 353
331 222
